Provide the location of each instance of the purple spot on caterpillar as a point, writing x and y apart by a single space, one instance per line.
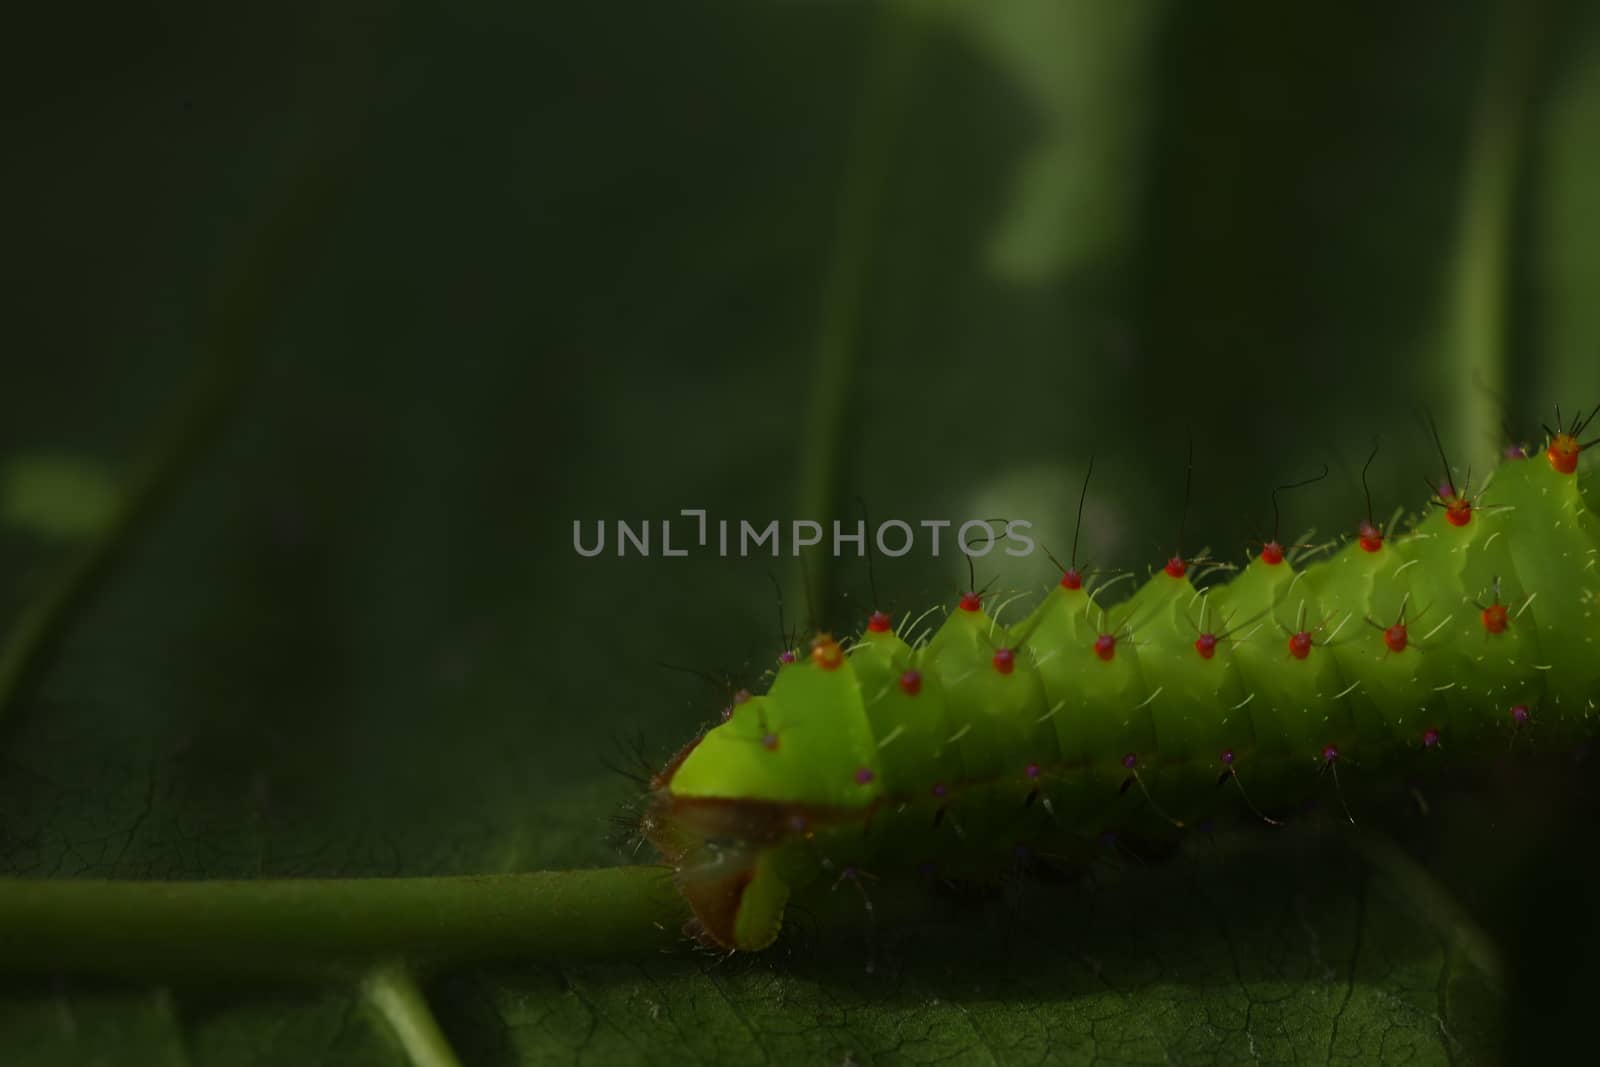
727 713
1430 738
940 789
740 697
1130 761
1515 452
863 776
1330 753
769 741
1520 714
1227 757
787 657
1031 770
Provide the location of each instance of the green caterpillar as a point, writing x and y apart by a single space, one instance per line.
1438 647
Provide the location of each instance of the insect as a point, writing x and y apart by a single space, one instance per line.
1439 647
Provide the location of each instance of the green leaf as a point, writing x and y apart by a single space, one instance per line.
1191 965
499 269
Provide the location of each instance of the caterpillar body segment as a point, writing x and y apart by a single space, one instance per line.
806 742
996 706
1090 671
1434 649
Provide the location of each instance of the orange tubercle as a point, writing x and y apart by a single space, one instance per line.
826 653
1563 453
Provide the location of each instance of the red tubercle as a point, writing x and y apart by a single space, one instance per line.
1457 510
1520 714
1176 567
1105 646
1300 644
1369 537
879 623
911 683
1227 757
1394 638
1071 579
1563 453
1330 753
1005 660
1430 738
1032 772
826 653
1130 761
1272 553
971 602
1496 617
1206 645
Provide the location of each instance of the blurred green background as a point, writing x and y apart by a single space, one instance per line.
478 270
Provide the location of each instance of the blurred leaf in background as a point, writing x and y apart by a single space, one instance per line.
530 265
57 496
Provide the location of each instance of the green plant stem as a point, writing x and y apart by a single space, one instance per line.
393 991
1474 356
839 317
331 928
176 442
